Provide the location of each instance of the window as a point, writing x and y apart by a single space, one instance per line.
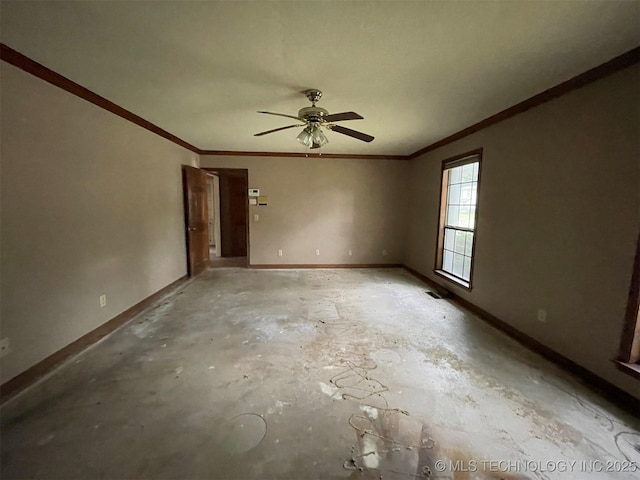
458 213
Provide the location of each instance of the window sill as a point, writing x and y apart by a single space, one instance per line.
451 278
632 369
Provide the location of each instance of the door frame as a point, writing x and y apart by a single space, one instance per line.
239 172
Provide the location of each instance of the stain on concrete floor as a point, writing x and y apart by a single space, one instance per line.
313 374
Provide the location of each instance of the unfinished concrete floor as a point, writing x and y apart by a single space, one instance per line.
312 374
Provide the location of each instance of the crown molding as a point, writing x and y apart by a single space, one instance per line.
235 153
618 63
23 62
36 69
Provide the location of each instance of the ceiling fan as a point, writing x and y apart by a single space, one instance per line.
314 119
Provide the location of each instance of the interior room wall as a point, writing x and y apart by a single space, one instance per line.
91 205
331 204
559 210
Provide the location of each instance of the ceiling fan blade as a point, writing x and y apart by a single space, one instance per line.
352 133
337 117
276 130
282 115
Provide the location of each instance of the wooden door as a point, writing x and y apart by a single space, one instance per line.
233 214
194 183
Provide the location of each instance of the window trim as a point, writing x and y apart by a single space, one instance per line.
629 356
448 163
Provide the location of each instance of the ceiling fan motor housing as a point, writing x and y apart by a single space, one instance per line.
312 114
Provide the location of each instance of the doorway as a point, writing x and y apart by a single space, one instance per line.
213 203
230 217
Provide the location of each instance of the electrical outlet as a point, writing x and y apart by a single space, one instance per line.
542 315
317 251
103 300
4 347
384 252
256 217
350 253
279 253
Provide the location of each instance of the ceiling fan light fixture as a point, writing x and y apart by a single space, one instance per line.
306 137
318 137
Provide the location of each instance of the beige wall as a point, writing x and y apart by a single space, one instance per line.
559 209
91 205
334 205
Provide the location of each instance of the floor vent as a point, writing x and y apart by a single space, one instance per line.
434 295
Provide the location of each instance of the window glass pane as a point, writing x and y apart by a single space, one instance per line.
468 244
467 268
471 217
475 171
447 261
459 243
466 193
458 265
454 175
452 216
474 193
454 194
448 239
467 172
463 216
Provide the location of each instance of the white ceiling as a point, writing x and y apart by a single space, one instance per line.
417 71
